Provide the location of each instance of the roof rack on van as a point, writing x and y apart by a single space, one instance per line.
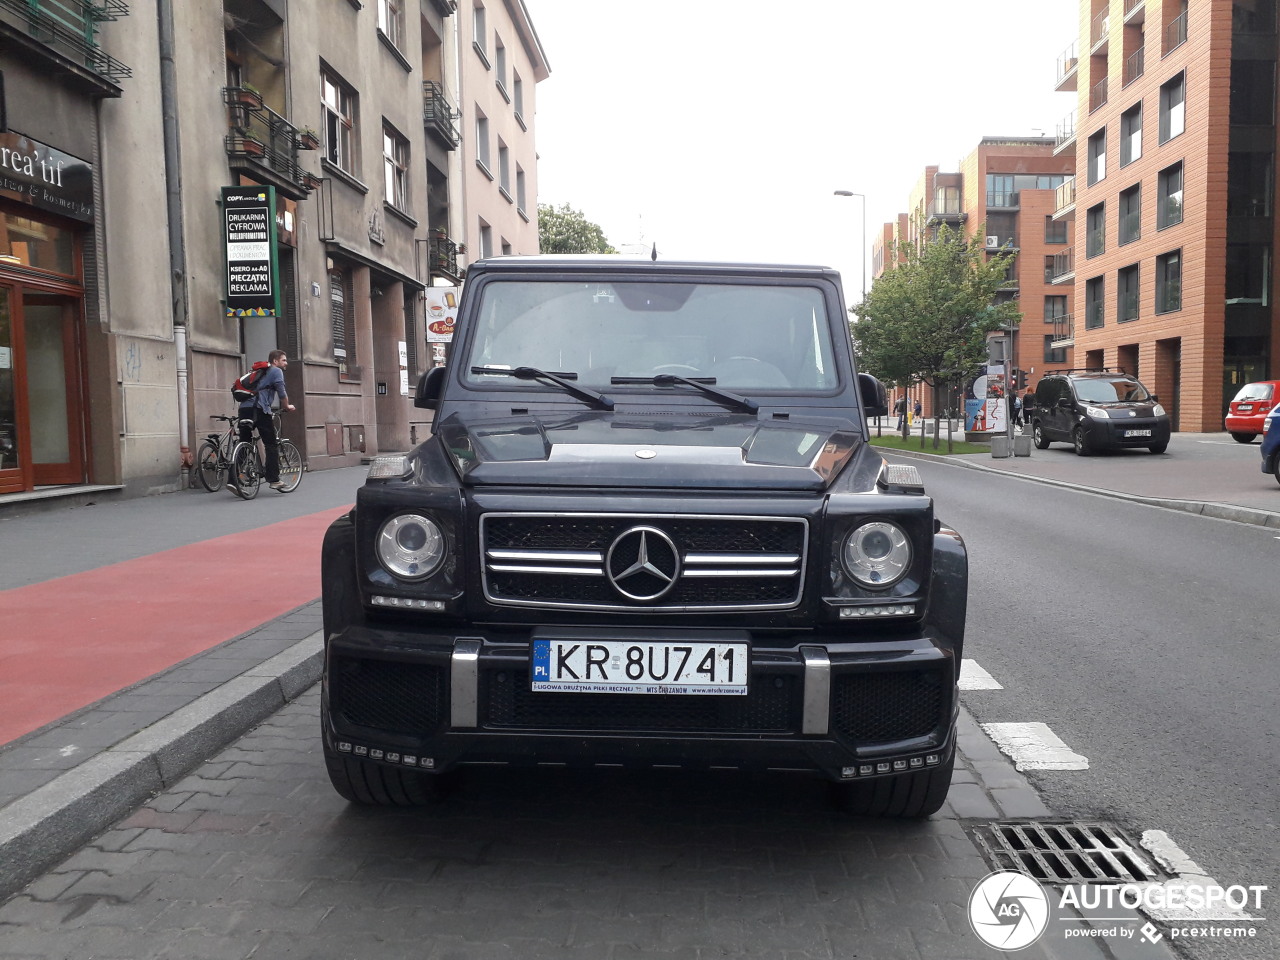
1087 370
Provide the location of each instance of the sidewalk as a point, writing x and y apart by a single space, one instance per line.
100 735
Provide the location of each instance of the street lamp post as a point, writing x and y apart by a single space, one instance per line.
862 197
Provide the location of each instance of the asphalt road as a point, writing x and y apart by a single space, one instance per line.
1145 639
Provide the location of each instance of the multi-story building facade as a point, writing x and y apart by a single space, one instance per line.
1174 137
307 179
1005 191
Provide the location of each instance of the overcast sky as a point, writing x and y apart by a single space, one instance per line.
721 128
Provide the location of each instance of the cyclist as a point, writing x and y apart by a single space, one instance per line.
258 409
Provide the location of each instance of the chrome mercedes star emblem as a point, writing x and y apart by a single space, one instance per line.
646 454
643 563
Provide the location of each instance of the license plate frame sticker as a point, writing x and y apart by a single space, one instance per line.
1137 433
682 667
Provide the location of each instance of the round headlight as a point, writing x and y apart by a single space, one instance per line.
410 546
877 554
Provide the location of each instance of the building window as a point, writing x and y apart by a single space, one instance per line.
504 169
1001 191
1173 108
1055 231
1169 282
1127 294
1248 272
486 240
517 97
1253 92
520 197
395 168
500 67
1095 238
1055 308
1130 214
1169 197
391 21
1097 156
339 123
1095 292
1250 184
478 33
482 141
342 321
1131 134
1054 354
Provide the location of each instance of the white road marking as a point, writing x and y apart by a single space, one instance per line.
973 677
1186 873
1033 746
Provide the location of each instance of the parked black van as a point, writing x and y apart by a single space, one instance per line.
1098 410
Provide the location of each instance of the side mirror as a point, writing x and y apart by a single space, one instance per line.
874 401
1154 398
1064 403
430 386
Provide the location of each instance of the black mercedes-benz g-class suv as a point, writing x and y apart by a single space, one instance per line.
648 529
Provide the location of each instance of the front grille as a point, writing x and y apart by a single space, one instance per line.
400 698
888 705
696 563
770 706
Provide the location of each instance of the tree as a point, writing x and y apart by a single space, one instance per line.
563 229
927 320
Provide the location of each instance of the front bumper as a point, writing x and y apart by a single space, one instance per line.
1111 434
838 709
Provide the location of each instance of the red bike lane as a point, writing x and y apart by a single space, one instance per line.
69 642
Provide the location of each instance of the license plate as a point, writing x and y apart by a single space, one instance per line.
640 666
1244 408
1137 433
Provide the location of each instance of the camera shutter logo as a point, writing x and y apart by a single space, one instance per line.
1008 911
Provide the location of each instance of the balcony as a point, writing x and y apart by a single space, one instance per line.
1064 332
1065 198
1135 12
1068 61
443 254
1134 66
438 115
65 32
1066 133
944 212
1175 35
1064 267
264 144
1098 95
444 7
1100 33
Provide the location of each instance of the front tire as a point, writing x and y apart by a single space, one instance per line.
1159 447
912 796
1243 437
290 466
1081 442
246 469
1037 435
209 470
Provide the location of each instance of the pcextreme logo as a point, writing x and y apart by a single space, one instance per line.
1008 910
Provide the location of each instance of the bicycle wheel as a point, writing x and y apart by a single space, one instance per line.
210 469
290 466
246 470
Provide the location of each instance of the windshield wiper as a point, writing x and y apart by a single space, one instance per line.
701 383
561 380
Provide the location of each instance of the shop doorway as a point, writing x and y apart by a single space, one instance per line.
41 391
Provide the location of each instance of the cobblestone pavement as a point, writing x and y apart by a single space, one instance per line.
254 855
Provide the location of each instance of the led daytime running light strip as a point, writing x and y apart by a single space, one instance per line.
386 756
884 610
890 766
409 603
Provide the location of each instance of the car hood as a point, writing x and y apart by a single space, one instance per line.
666 449
1123 410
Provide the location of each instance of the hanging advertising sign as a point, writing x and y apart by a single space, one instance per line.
249 229
985 406
442 310
35 173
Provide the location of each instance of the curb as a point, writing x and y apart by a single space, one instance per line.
1214 510
54 820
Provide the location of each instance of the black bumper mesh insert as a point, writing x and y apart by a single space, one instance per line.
888 705
400 698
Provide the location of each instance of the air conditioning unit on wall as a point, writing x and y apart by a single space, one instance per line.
992 241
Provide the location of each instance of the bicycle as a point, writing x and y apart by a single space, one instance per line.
246 465
213 458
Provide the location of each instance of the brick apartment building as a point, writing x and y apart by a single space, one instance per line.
1174 141
1006 191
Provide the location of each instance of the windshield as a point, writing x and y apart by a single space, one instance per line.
1253 392
1115 390
735 336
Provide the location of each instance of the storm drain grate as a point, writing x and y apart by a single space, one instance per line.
1062 852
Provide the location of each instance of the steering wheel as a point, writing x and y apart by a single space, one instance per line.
676 368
